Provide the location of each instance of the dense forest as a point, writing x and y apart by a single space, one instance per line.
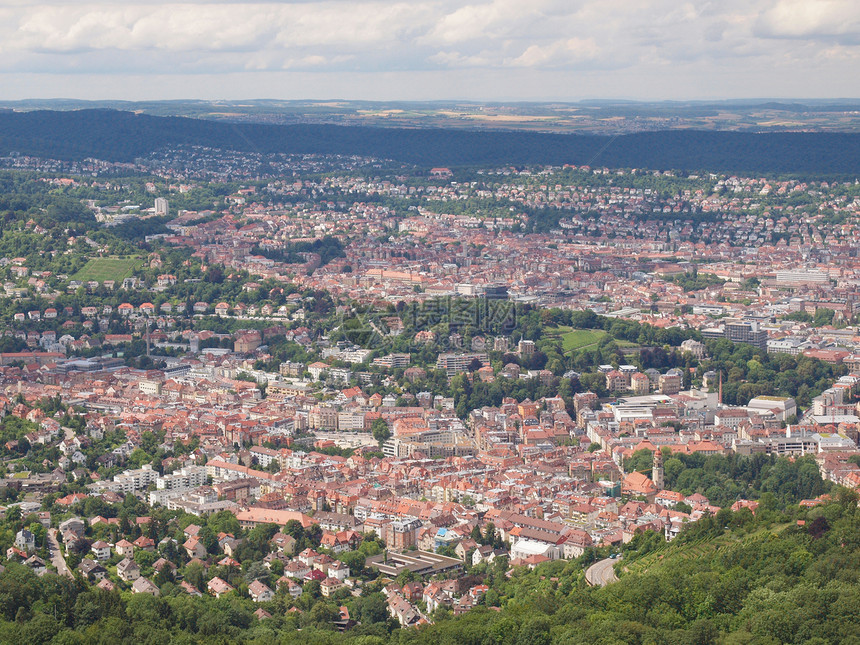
724 479
124 136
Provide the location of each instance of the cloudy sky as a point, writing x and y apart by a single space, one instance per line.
442 49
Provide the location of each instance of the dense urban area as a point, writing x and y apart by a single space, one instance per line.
252 397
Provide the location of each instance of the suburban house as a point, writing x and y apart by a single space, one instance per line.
260 592
142 585
127 570
218 587
101 550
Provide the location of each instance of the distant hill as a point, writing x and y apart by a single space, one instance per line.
124 136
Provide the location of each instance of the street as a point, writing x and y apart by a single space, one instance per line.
57 558
601 573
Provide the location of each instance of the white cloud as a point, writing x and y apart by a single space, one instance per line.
632 45
491 20
811 19
314 60
561 53
456 59
70 29
199 27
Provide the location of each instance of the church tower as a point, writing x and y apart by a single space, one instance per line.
657 470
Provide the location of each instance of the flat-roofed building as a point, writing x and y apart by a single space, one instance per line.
422 563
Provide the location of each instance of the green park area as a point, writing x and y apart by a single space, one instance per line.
579 338
101 269
573 339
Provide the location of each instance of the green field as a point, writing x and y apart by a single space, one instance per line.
576 339
101 269
579 338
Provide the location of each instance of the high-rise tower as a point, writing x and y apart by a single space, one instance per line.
657 470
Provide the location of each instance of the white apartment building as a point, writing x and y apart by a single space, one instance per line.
350 421
161 207
788 345
182 479
150 387
132 480
799 275
265 456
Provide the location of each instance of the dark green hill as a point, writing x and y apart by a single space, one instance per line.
124 136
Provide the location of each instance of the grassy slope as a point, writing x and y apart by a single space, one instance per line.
102 269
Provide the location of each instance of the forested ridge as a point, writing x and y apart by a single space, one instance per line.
124 136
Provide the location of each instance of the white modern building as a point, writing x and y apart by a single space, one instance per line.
161 207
